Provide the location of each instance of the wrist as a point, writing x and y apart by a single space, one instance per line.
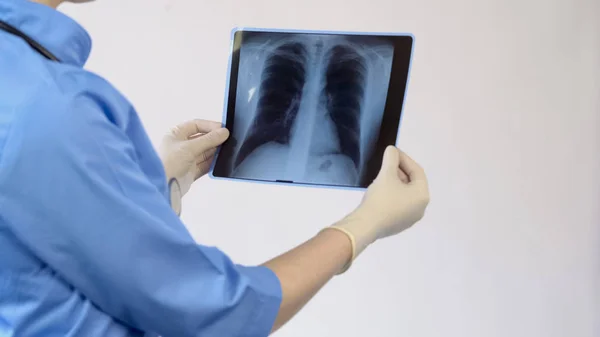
359 232
175 195
349 246
344 242
184 179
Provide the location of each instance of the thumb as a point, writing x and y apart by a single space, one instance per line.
391 161
208 141
190 128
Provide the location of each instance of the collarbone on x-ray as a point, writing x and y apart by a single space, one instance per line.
309 107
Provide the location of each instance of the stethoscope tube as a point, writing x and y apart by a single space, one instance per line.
36 46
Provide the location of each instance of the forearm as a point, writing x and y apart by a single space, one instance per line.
304 270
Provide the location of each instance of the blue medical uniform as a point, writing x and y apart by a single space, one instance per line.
89 245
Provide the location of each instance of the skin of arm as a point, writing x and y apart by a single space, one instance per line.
387 209
395 201
304 270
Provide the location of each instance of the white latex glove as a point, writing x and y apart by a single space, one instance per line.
188 149
395 201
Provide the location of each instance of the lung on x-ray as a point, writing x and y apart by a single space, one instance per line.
308 108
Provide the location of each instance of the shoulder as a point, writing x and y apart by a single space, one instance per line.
59 106
47 106
66 97
34 90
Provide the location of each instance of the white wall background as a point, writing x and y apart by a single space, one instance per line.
503 111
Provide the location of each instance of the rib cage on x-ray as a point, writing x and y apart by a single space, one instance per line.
345 78
280 93
309 107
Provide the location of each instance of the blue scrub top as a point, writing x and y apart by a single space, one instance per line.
89 245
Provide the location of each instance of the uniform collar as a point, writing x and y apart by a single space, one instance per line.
58 33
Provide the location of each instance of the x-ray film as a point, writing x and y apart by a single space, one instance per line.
316 108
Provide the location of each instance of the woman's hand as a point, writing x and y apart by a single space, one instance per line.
188 149
395 201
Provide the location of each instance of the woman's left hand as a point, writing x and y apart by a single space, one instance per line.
188 150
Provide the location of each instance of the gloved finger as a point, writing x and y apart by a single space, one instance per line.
403 177
208 141
414 171
187 129
203 162
391 161
203 167
206 155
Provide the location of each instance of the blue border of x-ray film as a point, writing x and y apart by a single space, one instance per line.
277 30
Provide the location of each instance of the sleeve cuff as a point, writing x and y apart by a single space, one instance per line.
268 286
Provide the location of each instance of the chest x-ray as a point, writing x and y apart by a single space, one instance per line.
307 108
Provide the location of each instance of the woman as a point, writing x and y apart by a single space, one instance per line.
91 243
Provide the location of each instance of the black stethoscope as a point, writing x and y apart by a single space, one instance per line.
36 46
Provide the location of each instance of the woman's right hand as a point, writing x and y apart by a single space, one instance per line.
395 201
